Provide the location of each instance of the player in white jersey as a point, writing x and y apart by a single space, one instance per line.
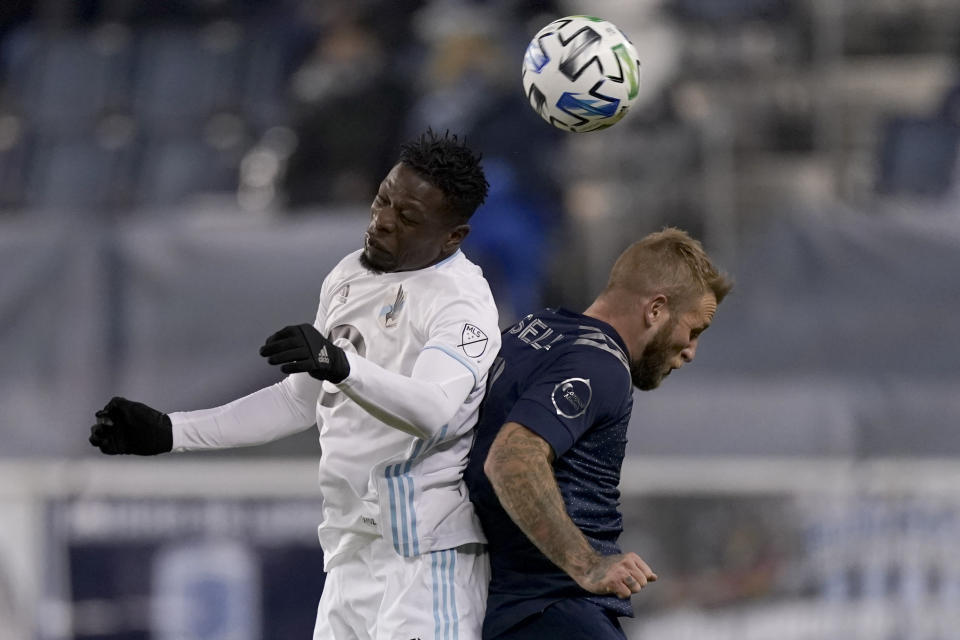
392 371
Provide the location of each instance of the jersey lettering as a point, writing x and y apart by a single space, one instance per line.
539 335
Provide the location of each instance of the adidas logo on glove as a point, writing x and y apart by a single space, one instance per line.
322 357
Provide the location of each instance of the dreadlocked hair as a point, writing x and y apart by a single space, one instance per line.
445 162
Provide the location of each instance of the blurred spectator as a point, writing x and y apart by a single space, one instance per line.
348 102
348 99
511 243
919 155
14 13
470 84
730 11
950 105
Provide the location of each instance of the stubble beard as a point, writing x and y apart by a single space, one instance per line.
648 372
369 265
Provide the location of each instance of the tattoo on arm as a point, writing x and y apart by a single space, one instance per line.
520 468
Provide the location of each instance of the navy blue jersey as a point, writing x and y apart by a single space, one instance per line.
566 377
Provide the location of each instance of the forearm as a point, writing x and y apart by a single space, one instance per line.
520 470
420 404
263 416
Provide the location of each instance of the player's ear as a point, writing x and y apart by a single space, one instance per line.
456 236
655 310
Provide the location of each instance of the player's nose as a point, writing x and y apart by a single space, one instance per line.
384 219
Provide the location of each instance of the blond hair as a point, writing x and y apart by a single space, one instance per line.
668 262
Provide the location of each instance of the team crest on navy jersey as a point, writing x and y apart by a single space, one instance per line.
473 341
572 397
390 312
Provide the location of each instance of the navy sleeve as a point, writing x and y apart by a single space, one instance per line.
581 388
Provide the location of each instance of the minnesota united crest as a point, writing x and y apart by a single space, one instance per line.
390 312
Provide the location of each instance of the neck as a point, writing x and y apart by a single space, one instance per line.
603 311
443 256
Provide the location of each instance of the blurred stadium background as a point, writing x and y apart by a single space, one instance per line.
177 176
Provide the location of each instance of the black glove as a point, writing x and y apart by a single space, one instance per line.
124 426
302 348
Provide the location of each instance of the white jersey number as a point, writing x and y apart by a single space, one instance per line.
352 335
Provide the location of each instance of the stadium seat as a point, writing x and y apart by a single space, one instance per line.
171 169
730 11
918 156
15 148
61 84
185 74
79 175
79 76
263 98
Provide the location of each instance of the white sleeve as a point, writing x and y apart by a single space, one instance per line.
263 416
420 404
463 341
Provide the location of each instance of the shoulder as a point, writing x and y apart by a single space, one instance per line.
348 265
593 344
585 382
590 356
347 270
592 361
571 338
457 268
457 280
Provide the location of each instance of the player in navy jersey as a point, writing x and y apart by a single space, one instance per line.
545 467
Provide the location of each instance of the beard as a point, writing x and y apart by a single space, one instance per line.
649 370
369 265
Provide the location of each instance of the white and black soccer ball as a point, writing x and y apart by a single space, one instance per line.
581 73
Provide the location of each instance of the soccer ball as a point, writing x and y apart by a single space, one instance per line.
581 73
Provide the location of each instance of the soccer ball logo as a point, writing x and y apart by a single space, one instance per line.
581 73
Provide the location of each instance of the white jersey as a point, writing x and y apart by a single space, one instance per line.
375 478
378 479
